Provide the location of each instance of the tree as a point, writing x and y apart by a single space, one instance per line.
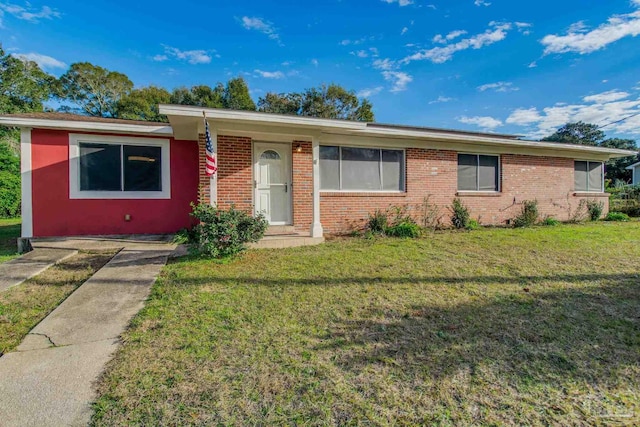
24 88
329 102
200 95
142 104
236 95
616 168
577 133
95 90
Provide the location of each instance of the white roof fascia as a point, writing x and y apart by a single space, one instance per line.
261 118
161 130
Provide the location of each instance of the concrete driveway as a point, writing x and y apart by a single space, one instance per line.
50 379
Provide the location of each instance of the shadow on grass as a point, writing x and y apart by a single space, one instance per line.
590 334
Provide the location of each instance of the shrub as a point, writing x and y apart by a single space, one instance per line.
580 213
405 229
617 216
9 182
459 214
595 209
529 214
473 225
550 221
378 222
222 233
429 214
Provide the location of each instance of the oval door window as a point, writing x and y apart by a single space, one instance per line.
270 155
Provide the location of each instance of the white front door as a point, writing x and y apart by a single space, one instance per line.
272 174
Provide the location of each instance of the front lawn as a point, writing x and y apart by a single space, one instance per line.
497 326
9 233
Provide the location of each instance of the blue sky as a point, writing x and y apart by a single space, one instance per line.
505 66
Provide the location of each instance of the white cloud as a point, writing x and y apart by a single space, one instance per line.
481 3
160 58
499 87
44 61
314 62
28 13
401 3
442 99
604 97
485 123
384 64
398 79
580 39
360 53
451 36
523 117
404 31
441 54
259 24
599 109
366 93
198 56
270 74
534 64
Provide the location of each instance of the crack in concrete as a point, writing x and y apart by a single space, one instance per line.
46 336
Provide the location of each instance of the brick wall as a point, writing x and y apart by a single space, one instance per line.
302 186
433 173
430 173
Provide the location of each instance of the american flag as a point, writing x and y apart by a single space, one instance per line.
212 164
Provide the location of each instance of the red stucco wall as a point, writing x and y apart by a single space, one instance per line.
54 214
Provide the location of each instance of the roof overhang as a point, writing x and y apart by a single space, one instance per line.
87 126
188 121
633 166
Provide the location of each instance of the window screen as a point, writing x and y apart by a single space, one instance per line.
142 168
360 169
365 169
588 176
100 168
478 172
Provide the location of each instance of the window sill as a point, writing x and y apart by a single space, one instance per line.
120 195
363 194
590 194
478 194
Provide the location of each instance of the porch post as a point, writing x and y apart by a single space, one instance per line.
213 180
316 227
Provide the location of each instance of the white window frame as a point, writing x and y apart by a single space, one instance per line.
74 167
340 147
498 190
601 190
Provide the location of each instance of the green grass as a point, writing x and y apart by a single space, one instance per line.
9 233
24 306
536 326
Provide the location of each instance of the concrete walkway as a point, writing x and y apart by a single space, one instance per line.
16 271
50 379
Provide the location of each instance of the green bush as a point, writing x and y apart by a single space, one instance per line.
222 233
473 225
378 222
595 209
9 182
460 216
550 221
528 215
405 229
617 216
